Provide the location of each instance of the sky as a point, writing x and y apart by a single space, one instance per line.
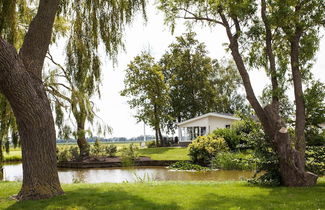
154 36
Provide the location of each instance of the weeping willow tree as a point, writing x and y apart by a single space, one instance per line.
21 70
13 33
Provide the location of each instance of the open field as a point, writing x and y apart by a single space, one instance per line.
162 153
172 195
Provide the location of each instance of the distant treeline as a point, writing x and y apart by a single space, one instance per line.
109 140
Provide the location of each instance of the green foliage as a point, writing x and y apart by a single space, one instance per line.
315 136
233 161
188 72
129 155
316 160
74 151
97 148
67 153
204 148
147 91
185 165
151 144
63 155
111 150
229 135
315 113
92 23
268 160
227 83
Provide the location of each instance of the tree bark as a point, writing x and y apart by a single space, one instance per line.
31 107
157 139
299 98
271 59
81 141
162 142
291 162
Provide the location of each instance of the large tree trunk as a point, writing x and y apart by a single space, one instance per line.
291 161
27 97
21 83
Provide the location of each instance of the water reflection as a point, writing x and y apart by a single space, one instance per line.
13 172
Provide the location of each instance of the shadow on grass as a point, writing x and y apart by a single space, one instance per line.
87 198
275 198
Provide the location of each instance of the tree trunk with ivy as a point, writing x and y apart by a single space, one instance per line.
21 83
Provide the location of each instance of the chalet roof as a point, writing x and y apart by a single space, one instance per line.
211 114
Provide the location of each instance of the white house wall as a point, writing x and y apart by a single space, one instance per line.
218 122
210 122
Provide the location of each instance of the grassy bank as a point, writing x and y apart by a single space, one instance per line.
12 156
165 153
172 195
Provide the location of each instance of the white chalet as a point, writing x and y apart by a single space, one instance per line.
199 126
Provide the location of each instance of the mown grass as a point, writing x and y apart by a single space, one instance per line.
172 195
166 153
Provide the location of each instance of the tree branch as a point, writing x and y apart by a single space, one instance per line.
38 37
271 58
250 95
196 17
56 93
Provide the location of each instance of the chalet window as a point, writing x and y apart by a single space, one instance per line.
227 126
203 131
196 132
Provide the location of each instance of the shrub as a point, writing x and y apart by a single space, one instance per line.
204 148
129 155
229 135
316 160
151 144
315 136
111 150
267 160
185 165
233 161
97 148
64 155
74 153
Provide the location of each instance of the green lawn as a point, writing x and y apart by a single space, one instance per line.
166 153
172 195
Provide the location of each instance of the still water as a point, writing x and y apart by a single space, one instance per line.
13 172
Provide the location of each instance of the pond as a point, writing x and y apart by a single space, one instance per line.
13 172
